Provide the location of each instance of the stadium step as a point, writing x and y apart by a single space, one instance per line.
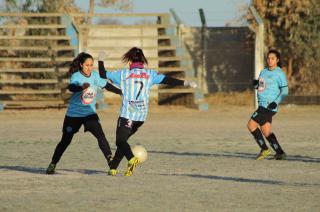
30 91
34 26
30 77
36 37
29 81
17 104
36 48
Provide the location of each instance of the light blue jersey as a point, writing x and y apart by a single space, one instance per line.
83 103
135 85
273 87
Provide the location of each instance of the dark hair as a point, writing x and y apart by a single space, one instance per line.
78 61
277 53
134 55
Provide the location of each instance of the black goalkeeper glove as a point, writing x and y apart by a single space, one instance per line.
255 83
272 106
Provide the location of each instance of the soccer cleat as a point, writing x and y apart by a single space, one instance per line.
263 154
281 156
51 168
133 162
112 172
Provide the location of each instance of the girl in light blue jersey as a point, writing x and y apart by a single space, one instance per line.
135 84
272 88
81 110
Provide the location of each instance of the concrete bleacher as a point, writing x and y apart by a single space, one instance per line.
34 55
65 37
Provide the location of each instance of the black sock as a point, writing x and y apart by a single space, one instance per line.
274 143
259 139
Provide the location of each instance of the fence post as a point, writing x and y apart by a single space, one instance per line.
258 49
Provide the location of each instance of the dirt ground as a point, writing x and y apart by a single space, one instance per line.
198 161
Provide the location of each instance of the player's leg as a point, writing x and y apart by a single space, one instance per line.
123 133
119 154
266 130
93 125
71 126
253 126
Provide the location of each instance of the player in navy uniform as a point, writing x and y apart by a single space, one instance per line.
81 110
272 88
135 84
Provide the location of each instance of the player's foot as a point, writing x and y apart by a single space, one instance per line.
263 154
281 156
112 172
51 168
109 160
133 162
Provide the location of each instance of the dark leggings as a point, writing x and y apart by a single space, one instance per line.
125 129
71 125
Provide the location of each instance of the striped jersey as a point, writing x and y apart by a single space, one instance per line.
273 87
135 85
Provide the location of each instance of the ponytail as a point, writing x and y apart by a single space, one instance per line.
134 55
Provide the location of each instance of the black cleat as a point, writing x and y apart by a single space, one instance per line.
281 156
51 168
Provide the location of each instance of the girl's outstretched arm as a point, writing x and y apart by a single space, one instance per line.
77 88
176 82
102 70
112 88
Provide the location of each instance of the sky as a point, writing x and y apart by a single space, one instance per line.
217 12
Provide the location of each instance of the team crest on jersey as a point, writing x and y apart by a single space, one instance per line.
262 85
88 96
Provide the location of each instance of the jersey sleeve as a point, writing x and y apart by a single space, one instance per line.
114 76
157 78
282 80
74 79
283 86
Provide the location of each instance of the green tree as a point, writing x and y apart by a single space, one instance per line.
293 28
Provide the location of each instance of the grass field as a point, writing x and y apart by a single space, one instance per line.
198 161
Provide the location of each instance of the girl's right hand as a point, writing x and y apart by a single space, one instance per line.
102 56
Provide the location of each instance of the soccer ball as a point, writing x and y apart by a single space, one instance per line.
140 152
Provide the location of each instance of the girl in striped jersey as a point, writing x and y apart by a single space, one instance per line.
84 83
272 88
135 84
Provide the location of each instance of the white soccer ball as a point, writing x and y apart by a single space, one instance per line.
140 152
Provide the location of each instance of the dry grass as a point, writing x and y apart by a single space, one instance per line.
198 161
231 98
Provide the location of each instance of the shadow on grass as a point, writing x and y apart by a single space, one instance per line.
240 179
242 155
37 170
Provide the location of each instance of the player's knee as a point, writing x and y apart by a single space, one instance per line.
251 126
248 126
266 133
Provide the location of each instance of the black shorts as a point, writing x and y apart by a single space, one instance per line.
262 115
128 127
73 124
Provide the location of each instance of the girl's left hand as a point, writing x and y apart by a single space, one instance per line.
85 85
